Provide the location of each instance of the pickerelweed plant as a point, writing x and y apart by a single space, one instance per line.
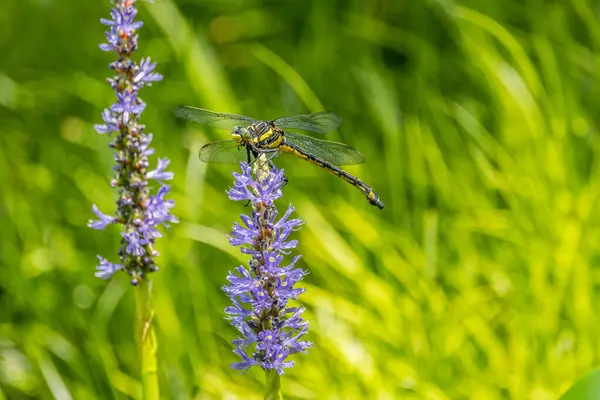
270 329
138 210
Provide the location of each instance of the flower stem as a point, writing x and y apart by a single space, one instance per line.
272 385
146 340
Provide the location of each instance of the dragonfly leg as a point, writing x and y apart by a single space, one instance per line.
271 154
272 165
256 154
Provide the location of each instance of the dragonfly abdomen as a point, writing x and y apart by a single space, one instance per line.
291 148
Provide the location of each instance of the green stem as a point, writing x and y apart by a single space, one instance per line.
146 340
272 385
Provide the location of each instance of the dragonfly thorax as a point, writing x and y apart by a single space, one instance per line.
259 128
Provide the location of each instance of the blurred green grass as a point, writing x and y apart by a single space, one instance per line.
479 122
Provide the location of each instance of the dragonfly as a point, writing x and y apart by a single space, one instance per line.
251 138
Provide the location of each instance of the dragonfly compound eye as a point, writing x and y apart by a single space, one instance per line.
236 134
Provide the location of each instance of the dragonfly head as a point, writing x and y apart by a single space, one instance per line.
240 135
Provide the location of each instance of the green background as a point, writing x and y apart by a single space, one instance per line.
479 123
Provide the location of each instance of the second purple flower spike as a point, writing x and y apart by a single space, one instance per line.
140 211
270 330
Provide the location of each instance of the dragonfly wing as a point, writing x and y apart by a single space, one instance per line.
211 118
224 152
319 122
333 152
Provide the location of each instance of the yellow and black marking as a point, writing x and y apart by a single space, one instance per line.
292 149
264 136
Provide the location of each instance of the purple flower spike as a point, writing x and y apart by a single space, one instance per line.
270 330
140 211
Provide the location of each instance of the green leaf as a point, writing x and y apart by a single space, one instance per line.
586 388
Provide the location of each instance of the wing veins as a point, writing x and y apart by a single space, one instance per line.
319 122
333 152
211 118
222 152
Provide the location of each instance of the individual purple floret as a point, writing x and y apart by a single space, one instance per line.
270 330
140 211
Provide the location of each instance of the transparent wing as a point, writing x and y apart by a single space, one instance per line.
333 152
319 122
224 152
211 118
